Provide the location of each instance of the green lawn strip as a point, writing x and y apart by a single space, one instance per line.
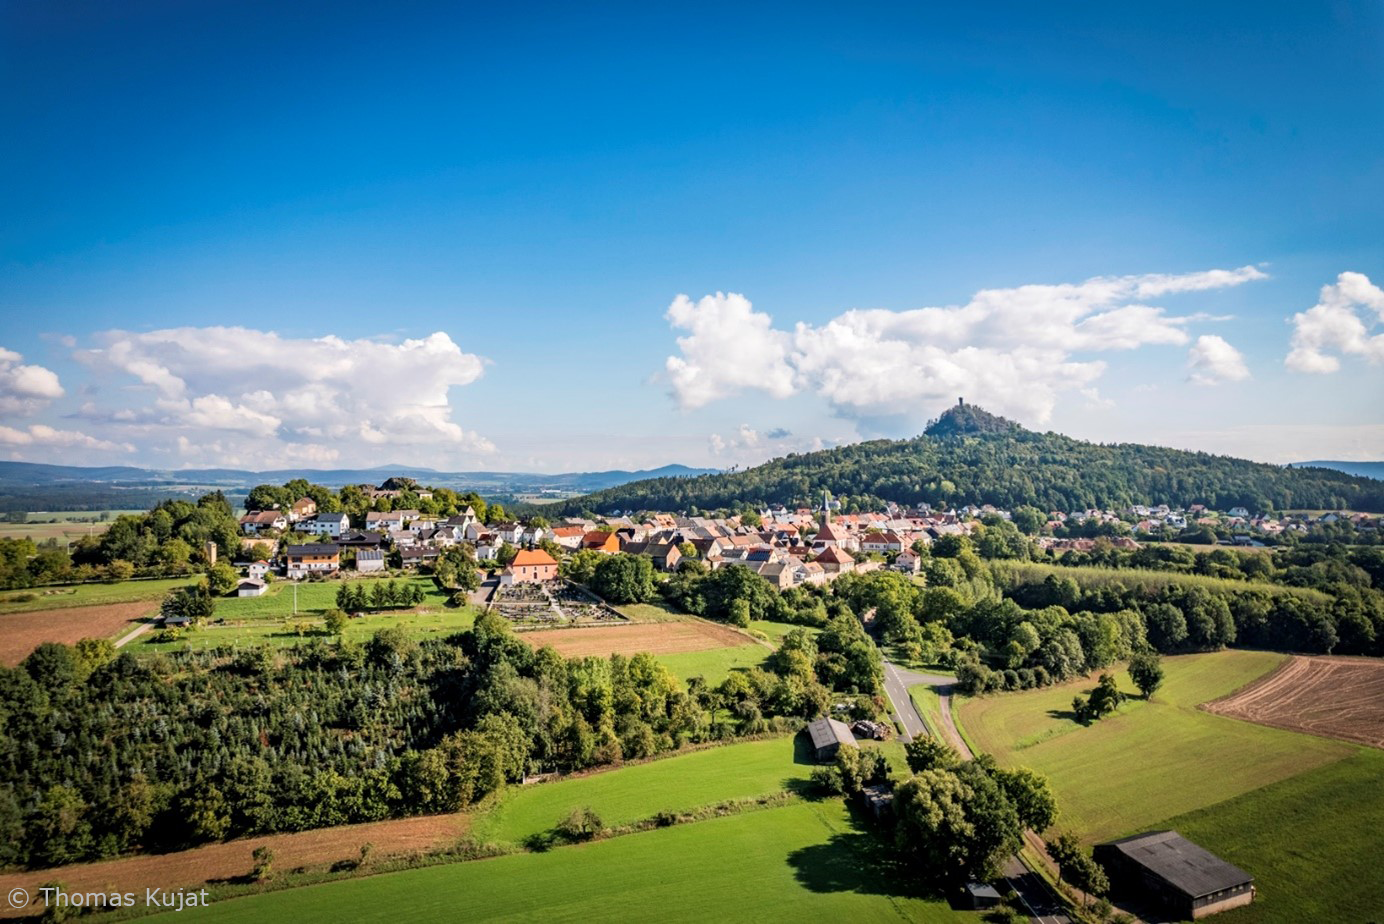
440 621
803 862
775 631
633 793
929 706
1154 759
650 612
314 598
74 595
1312 843
713 664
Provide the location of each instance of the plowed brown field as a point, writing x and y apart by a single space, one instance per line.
191 869
1333 697
655 638
21 633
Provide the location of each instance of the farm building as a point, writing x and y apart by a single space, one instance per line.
828 737
878 799
1166 868
369 560
251 587
982 896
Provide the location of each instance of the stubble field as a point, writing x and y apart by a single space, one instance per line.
1339 698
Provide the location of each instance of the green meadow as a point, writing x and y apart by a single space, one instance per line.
640 791
69 595
1312 842
802 862
418 623
713 664
1151 760
313 598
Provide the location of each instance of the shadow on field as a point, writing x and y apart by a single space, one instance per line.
855 861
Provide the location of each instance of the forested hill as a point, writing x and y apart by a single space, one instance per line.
971 457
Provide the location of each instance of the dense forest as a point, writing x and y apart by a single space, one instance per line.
968 456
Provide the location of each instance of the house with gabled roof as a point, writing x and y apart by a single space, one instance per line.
530 566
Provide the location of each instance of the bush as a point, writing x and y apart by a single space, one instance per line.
581 824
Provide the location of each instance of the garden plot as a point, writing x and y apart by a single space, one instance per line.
552 605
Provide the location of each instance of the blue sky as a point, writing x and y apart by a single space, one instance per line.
238 234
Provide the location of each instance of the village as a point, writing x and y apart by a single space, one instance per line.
787 548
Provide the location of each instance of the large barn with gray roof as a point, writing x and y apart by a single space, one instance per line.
1165 868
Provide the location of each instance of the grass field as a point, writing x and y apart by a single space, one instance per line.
929 706
775 631
627 794
1312 843
419 624
649 612
69 595
1153 759
314 598
803 862
714 664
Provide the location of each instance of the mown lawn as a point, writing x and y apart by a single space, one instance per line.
633 793
70 595
713 664
314 598
1312 843
650 612
1151 760
803 862
929 706
775 631
418 623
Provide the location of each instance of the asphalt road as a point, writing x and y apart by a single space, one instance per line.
1033 891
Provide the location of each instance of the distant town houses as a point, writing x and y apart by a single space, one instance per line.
786 547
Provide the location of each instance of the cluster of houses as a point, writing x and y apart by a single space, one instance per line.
1246 528
787 547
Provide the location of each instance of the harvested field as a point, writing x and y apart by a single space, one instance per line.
202 865
21 633
1339 698
655 638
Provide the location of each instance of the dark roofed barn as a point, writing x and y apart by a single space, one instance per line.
1165 867
828 736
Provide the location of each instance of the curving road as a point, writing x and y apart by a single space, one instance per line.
1032 889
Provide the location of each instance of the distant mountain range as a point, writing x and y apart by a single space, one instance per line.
33 486
969 456
1362 469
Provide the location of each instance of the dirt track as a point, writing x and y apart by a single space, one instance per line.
21 633
655 638
193 868
1339 698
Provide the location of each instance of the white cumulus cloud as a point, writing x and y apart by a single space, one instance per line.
44 436
1212 361
1339 323
1014 350
24 388
234 395
730 347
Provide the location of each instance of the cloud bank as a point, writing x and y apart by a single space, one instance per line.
1013 350
238 396
1339 323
